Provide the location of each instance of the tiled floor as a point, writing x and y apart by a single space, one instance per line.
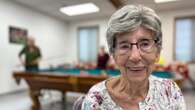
21 101
190 99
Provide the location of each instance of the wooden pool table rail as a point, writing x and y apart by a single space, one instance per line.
62 82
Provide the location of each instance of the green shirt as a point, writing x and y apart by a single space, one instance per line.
30 55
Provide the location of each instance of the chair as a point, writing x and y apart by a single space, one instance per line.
78 103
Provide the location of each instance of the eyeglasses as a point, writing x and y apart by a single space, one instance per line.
144 45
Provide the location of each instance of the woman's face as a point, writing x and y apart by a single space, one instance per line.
136 61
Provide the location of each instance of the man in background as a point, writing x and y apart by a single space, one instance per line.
32 55
103 58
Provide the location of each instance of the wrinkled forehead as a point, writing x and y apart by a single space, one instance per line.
135 35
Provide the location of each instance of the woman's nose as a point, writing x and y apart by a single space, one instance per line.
134 54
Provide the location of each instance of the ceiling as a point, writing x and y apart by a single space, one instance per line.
107 7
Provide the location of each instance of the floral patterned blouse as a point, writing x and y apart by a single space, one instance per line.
163 94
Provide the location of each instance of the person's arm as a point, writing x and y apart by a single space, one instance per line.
20 55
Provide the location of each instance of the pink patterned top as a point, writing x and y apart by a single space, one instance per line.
163 94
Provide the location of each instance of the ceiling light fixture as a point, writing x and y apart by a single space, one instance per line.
79 9
163 1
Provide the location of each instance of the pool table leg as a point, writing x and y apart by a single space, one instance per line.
34 94
63 96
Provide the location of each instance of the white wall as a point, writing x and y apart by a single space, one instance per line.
168 23
73 26
50 34
168 18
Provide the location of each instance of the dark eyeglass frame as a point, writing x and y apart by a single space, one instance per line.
138 45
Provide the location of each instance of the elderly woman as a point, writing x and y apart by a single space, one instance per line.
134 39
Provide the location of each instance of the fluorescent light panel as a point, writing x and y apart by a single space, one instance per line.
163 1
80 9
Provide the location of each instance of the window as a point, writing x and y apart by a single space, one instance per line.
87 44
185 37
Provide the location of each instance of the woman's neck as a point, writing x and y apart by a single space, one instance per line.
133 89
122 89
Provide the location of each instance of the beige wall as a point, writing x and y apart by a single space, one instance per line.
168 18
168 30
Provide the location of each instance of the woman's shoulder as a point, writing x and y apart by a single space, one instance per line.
98 98
163 84
98 88
166 93
101 86
161 81
95 96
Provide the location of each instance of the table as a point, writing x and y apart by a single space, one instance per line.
63 79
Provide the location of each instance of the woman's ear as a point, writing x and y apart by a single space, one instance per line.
157 58
113 56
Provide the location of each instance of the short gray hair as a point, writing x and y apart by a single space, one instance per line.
130 17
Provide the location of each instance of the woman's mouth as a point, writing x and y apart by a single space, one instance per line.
136 70
140 68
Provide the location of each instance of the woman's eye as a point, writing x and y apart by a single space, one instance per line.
125 46
145 44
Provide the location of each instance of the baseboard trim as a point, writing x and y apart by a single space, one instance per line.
13 92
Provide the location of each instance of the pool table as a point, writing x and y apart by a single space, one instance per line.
75 80
63 79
